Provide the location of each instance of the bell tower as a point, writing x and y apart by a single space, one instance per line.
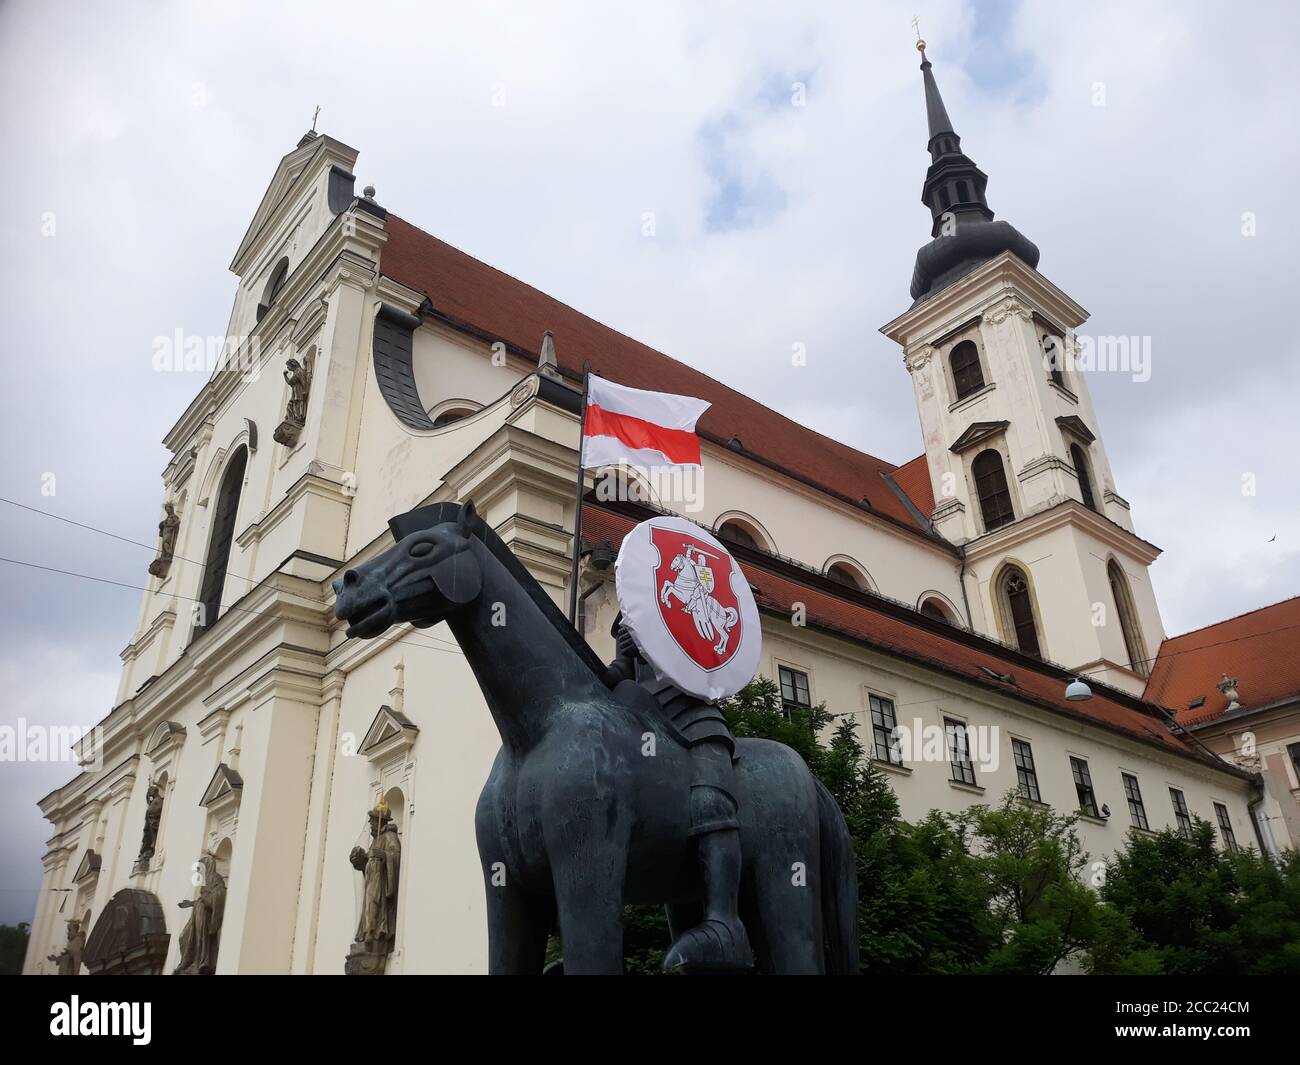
1020 474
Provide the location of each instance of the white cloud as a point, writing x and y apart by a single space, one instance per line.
1136 207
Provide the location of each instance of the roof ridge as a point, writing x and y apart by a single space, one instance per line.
1225 621
890 467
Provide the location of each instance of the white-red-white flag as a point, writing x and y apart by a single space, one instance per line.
639 428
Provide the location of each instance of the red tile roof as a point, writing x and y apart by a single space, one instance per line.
962 654
472 294
1260 650
914 479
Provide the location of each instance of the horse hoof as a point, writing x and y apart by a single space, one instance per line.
716 946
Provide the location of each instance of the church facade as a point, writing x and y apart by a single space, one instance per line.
272 796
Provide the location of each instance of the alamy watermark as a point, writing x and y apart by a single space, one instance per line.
1085 353
29 742
681 487
183 352
978 745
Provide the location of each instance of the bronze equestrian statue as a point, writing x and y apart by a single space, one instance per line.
588 805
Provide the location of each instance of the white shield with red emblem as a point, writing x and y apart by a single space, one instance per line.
688 607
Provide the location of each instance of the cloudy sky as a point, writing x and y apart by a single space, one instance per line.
1132 142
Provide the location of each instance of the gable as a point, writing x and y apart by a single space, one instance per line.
295 170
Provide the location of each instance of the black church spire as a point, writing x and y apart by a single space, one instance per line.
963 229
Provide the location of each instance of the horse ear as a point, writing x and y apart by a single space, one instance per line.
458 578
467 516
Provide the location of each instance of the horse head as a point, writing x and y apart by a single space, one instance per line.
423 578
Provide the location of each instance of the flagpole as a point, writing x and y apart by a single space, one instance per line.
577 501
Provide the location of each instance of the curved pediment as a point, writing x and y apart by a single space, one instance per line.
167 735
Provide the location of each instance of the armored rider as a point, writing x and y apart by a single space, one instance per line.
719 943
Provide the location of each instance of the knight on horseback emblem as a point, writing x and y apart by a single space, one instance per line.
698 597
693 587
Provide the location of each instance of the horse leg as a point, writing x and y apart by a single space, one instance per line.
588 870
518 925
787 915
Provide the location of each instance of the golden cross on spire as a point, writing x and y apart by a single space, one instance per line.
916 25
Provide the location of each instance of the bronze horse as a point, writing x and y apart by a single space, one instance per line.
587 806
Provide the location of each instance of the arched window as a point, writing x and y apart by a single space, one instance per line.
223 532
933 608
278 277
1081 471
449 416
843 573
738 534
967 377
1018 609
1054 359
1128 621
991 488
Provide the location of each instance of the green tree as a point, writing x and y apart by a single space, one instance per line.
13 947
1032 864
1205 911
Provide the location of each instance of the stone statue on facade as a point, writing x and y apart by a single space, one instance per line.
380 866
69 959
152 819
202 932
298 376
168 529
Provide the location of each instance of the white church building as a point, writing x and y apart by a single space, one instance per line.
958 594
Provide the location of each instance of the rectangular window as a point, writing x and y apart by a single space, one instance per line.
959 752
1083 787
884 730
794 688
1136 810
1181 814
1225 826
1026 776
1294 751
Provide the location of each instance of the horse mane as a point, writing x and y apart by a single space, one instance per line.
441 513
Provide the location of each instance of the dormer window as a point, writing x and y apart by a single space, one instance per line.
849 576
967 376
449 416
738 534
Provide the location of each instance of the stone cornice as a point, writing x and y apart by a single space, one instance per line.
313 482
1067 512
1005 277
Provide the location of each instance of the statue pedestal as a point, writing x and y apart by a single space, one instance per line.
287 433
362 961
